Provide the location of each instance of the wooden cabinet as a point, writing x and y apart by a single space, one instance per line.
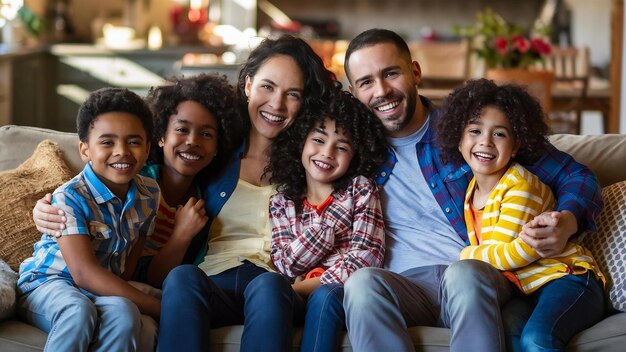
45 86
26 89
5 93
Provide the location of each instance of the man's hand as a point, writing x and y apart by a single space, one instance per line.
48 219
549 232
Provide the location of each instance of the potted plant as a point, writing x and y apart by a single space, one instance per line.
511 53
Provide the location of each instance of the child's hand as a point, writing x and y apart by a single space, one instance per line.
190 218
304 287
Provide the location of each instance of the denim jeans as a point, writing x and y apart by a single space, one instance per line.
324 322
465 296
548 318
76 322
193 304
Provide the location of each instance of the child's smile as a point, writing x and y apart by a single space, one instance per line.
117 147
488 144
326 155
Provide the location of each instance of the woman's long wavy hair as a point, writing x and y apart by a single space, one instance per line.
467 102
364 129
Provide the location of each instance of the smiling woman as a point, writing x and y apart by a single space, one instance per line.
234 281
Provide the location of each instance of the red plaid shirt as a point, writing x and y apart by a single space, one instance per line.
347 235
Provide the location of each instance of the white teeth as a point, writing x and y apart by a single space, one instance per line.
120 166
484 155
389 106
189 156
273 118
322 165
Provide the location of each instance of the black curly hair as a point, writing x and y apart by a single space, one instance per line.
364 128
216 94
106 100
318 81
467 102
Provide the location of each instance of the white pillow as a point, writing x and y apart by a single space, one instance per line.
608 244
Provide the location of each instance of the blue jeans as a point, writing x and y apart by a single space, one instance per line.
465 296
76 322
193 303
324 320
548 318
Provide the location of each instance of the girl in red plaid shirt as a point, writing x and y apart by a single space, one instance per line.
326 217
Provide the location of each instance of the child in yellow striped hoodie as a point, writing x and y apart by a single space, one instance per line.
491 127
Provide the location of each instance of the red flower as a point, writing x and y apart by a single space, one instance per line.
501 45
522 44
541 46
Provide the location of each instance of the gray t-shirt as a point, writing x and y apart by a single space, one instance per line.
417 231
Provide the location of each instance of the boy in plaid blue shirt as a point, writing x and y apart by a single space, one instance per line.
74 287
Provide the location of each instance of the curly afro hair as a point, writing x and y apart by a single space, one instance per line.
467 102
212 91
365 130
106 100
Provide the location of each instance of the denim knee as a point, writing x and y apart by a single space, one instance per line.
267 287
537 339
360 285
463 276
81 313
183 276
125 314
332 292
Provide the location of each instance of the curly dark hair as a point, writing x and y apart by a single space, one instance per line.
106 100
372 37
364 128
318 81
467 102
216 94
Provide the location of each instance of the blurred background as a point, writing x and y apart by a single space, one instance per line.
53 52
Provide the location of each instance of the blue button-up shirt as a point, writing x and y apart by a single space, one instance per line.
574 185
91 209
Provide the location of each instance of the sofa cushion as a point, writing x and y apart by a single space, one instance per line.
600 153
608 243
8 279
17 143
20 189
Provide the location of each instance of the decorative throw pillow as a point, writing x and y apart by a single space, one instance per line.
609 243
8 279
20 189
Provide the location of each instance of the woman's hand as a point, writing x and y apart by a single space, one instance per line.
48 219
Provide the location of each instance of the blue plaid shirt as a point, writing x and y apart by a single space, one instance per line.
93 210
574 185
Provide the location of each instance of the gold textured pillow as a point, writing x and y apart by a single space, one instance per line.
20 189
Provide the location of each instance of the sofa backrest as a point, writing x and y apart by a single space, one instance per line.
17 143
604 154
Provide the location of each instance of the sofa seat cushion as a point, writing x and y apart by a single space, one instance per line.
609 242
20 189
8 279
607 335
18 336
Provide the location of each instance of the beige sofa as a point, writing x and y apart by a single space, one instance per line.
605 155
